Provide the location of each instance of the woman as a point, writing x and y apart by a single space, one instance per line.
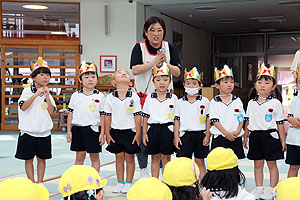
145 55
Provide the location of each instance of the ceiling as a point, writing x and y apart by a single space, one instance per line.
232 16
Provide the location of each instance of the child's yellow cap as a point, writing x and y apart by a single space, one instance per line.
193 74
287 189
181 172
39 63
298 72
263 70
22 189
80 178
87 67
221 158
161 71
226 71
149 189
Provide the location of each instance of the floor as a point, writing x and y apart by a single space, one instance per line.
63 158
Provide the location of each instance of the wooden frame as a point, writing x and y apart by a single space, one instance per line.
108 63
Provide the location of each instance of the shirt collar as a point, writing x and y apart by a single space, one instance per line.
218 98
33 88
168 94
271 96
185 98
94 92
128 93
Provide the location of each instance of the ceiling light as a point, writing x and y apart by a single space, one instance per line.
289 3
227 21
205 8
35 7
58 33
278 19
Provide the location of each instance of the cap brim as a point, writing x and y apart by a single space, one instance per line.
43 192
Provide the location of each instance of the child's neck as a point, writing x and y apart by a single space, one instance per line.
161 95
226 97
88 90
37 85
262 97
122 90
191 98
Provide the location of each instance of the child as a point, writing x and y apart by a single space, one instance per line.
226 114
189 132
224 177
149 189
182 176
287 189
81 182
265 114
293 139
22 189
159 114
85 117
123 128
35 107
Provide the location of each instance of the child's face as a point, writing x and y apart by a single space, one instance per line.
226 85
121 76
41 79
191 83
264 87
89 80
162 83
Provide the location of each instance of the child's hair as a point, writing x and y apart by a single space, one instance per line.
252 93
82 195
162 75
224 78
224 183
39 70
186 192
87 73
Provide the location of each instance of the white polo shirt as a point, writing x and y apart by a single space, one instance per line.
266 115
192 114
35 120
86 108
229 115
122 110
160 112
293 134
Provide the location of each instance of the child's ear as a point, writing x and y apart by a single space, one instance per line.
217 85
274 86
113 82
201 86
130 84
80 81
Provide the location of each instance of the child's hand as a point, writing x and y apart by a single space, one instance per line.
283 146
136 139
40 91
206 194
231 136
46 91
245 143
145 139
109 139
206 140
295 122
177 141
69 137
101 139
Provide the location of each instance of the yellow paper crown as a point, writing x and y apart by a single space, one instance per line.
87 67
263 70
160 71
221 158
149 189
298 72
226 71
39 63
287 189
194 74
80 178
181 172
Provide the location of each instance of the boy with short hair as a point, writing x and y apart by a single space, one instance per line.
226 114
122 125
35 107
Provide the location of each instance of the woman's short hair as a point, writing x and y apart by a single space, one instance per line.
153 20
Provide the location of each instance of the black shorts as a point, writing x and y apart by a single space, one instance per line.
263 146
160 139
192 143
84 138
123 142
292 155
236 145
29 146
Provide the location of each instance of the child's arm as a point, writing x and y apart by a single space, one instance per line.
101 136
28 103
246 134
229 135
47 95
295 122
239 129
145 127
107 124
206 139
177 140
69 127
282 135
137 137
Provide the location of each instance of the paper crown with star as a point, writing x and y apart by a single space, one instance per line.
298 72
161 70
87 67
193 74
266 71
226 71
39 63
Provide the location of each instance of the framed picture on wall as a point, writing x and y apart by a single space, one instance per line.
108 64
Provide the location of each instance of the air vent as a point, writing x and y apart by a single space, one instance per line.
227 21
205 8
276 19
289 3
